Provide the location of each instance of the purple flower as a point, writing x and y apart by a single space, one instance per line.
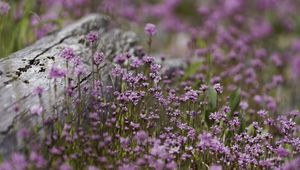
36 110
136 63
45 29
23 133
201 52
37 159
67 53
4 8
171 165
296 68
92 37
127 167
120 59
56 72
159 164
150 29
77 61
55 151
231 6
98 58
65 166
117 71
6 166
215 167
262 113
18 161
141 136
292 165
280 151
79 70
160 151
38 91
148 59
218 88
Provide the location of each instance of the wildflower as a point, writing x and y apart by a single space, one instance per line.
292 165
218 88
117 71
37 159
280 151
276 59
38 91
141 136
159 164
136 63
56 72
18 161
55 151
79 70
148 59
244 105
23 133
77 61
201 52
65 166
92 37
128 167
296 67
150 29
215 167
36 110
45 29
155 68
6 165
4 8
262 113
120 59
171 165
98 58
67 53
159 150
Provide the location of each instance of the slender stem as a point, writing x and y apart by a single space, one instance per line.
93 76
149 44
79 88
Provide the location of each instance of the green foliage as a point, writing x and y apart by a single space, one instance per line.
191 70
212 103
15 32
212 99
234 101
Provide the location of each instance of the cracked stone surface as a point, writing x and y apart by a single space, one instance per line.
26 69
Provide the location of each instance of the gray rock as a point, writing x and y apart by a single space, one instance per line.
28 68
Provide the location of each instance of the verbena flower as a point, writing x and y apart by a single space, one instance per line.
80 70
92 37
23 133
37 160
4 8
38 91
98 58
280 151
215 167
67 53
65 166
150 29
56 72
36 110
18 161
